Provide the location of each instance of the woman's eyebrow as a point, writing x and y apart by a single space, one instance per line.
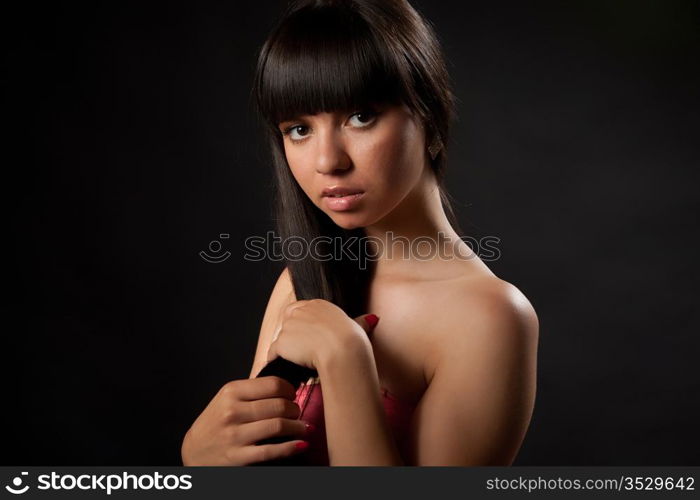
294 118
283 123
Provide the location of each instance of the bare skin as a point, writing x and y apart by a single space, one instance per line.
453 338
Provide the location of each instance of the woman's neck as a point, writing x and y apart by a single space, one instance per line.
416 236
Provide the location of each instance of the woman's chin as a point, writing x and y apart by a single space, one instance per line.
348 220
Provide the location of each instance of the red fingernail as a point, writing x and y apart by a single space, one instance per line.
372 320
301 445
309 427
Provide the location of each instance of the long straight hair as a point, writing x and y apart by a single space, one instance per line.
329 55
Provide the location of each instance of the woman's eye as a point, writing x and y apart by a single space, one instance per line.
364 118
295 128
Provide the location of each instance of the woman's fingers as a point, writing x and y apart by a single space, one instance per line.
266 452
253 432
368 322
262 409
215 437
260 388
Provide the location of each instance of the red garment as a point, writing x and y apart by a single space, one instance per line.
309 397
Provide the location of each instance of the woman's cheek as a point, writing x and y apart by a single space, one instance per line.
394 174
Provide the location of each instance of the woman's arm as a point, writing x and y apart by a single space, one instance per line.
352 376
357 432
281 296
479 402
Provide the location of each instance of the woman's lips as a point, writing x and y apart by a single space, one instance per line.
342 203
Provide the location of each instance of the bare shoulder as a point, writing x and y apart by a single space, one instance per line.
283 286
493 304
481 314
482 378
282 294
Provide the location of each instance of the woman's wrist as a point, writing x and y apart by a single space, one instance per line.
349 352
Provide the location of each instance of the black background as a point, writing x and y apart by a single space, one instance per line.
130 145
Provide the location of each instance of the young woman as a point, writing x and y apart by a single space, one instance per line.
358 105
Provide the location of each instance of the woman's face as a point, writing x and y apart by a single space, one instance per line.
378 153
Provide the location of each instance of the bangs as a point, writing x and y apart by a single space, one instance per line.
322 60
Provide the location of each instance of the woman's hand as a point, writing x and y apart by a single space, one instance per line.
312 330
242 413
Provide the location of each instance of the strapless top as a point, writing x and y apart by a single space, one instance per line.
309 397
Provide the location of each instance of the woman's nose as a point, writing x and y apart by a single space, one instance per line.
331 155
